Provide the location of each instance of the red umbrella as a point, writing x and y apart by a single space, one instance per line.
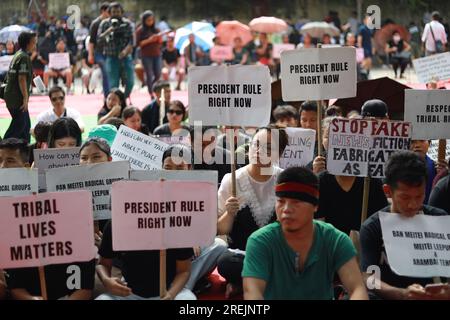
268 25
383 35
227 31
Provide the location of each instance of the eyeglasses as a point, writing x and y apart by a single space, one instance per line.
57 98
177 112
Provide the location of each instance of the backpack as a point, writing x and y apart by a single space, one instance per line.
438 43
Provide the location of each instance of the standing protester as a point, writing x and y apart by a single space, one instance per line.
149 40
434 37
365 42
18 88
116 35
96 50
67 73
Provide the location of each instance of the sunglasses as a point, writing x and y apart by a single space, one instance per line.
177 112
57 98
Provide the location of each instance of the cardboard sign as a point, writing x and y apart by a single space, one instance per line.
230 95
221 53
361 148
59 61
96 178
300 150
50 228
434 148
318 74
18 182
142 151
419 246
280 47
175 214
435 67
5 61
429 113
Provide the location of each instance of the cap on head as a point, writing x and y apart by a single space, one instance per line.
374 108
105 131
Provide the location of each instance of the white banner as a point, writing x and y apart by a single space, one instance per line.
429 113
318 74
96 178
419 246
300 150
142 151
230 95
433 67
59 61
18 182
5 61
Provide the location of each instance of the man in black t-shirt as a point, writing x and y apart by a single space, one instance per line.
406 176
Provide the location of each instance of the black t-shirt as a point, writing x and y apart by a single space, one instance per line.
343 209
373 251
170 57
150 115
440 196
141 268
56 279
93 32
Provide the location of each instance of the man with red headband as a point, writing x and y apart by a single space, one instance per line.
297 257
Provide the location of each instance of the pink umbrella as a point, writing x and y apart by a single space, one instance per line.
268 25
227 31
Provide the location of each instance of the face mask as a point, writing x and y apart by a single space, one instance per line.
397 38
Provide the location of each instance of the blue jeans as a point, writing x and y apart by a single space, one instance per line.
152 67
120 69
20 125
100 59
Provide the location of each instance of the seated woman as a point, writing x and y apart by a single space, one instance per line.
175 127
113 106
64 133
399 52
240 53
132 118
66 73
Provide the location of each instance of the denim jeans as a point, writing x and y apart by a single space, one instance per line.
20 125
152 67
100 59
120 69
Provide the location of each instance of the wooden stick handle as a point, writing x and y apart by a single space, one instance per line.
43 284
319 128
365 201
162 273
230 137
442 149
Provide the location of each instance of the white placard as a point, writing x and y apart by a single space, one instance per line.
434 148
278 48
5 62
18 182
433 67
300 150
59 61
418 246
142 151
429 113
96 178
230 95
318 74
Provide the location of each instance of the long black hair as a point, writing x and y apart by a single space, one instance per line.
63 128
146 14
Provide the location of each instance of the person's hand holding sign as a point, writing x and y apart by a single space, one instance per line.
319 164
232 205
117 287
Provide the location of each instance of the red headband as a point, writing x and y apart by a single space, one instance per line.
297 187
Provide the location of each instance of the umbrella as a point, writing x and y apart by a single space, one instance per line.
227 31
386 89
383 35
11 33
268 25
319 28
204 34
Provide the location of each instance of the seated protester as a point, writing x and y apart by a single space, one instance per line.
140 269
253 208
405 183
308 120
205 258
132 119
171 63
207 154
285 116
39 58
66 74
297 257
176 114
106 132
150 114
440 195
421 148
116 122
113 106
58 99
14 153
41 131
64 133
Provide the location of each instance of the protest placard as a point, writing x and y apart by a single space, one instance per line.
300 150
434 147
221 53
59 61
5 61
278 48
418 246
54 158
429 113
230 95
18 182
318 74
361 148
50 228
175 214
96 178
142 151
434 67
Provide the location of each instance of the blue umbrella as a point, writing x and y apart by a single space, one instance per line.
12 33
204 34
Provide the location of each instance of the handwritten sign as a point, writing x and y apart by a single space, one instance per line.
18 182
300 150
59 61
433 67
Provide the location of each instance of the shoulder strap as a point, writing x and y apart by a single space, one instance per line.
432 33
